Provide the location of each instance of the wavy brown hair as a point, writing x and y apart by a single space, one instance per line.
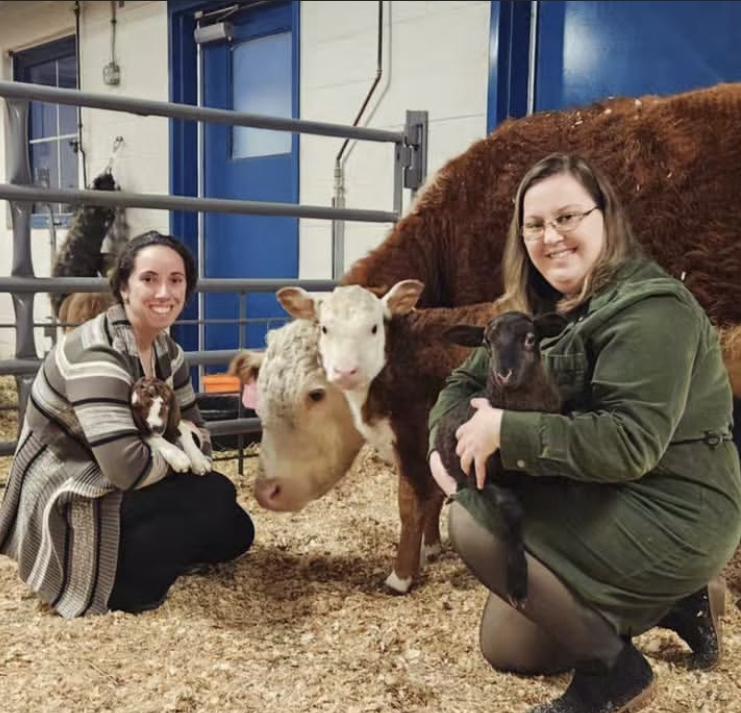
524 287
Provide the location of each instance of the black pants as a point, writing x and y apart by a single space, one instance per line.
167 528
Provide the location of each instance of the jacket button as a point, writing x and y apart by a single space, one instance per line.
520 463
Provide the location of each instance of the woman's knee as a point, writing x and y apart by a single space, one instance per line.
218 487
513 644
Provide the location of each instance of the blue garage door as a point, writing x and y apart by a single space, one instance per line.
591 50
584 51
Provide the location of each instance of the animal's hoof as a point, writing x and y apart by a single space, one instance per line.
397 585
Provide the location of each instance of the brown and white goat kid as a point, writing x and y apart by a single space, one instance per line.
157 415
517 381
391 362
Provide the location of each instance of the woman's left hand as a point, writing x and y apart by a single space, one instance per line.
479 438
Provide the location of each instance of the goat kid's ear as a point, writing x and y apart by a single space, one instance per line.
465 335
549 325
298 302
402 297
246 366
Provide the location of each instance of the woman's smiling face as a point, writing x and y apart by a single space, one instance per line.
564 259
154 295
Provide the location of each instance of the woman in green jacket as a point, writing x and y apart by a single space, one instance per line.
632 494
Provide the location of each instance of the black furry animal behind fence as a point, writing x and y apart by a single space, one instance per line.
516 381
80 255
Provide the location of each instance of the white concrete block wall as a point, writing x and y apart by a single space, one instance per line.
435 58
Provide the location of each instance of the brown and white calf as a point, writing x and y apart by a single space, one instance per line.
390 361
157 415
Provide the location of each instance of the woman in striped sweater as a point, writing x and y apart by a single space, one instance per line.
95 518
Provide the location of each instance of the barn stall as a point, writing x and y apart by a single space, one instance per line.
302 622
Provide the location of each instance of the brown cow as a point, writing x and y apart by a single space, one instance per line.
675 162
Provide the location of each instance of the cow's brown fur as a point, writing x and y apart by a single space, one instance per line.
675 161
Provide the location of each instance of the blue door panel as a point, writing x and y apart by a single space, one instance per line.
249 246
236 246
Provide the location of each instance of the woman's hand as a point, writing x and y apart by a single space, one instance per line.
479 438
442 477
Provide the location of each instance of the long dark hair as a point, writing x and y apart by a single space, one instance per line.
127 257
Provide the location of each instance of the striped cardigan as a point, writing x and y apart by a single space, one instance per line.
78 451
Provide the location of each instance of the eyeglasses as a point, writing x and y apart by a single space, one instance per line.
564 223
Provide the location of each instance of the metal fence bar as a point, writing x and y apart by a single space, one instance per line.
147 107
21 193
23 285
205 284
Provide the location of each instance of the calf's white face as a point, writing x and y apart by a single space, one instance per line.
308 439
352 327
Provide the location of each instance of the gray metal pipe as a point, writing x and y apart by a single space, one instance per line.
187 203
146 107
205 284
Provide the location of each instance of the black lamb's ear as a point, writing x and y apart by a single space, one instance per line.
549 325
465 335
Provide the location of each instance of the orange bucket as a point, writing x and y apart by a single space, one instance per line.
222 384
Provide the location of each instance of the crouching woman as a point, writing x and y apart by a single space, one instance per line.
94 517
632 494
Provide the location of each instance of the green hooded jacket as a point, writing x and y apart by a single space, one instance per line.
632 494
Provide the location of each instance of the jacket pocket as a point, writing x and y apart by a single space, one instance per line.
571 373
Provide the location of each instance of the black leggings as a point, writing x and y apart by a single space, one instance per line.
169 527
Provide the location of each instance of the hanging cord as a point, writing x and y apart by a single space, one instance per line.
116 146
113 31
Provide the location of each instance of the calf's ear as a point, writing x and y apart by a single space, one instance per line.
246 366
403 296
297 302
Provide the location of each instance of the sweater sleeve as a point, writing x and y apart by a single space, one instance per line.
643 361
98 388
462 384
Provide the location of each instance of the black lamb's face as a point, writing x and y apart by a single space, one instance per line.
512 342
151 404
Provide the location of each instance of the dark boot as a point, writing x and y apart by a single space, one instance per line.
696 619
625 686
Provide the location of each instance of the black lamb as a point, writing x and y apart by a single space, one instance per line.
516 381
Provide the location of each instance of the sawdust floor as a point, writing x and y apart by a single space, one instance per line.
303 624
